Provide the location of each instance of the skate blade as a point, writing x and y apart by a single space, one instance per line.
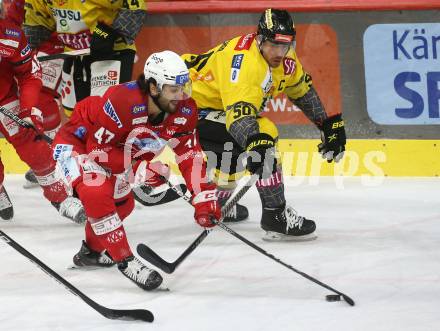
162 288
87 268
30 185
236 222
275 236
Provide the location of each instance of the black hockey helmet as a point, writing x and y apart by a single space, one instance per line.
277 26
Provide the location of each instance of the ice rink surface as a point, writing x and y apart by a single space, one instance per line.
378 244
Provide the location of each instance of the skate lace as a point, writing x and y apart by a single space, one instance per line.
137 271
105 259
232 212
292 218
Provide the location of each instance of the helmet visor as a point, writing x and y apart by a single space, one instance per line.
177 92
283 41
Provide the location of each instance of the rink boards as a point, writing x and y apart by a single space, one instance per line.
377 158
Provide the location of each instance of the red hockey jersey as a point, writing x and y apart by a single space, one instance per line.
17 60
116 131
51 70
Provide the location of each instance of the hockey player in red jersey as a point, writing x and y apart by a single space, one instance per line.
119 133
20 85
49 98
107 27
48 102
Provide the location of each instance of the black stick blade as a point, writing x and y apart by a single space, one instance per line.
148 254
348 300
128 315
144 197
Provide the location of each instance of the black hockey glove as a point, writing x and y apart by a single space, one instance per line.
103 39
261 155
333 139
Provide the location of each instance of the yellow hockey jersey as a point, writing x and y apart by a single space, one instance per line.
74 20
236 71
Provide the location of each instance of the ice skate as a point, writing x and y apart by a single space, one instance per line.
6 208
284 223
72 209
147 279
89 259
237 213
31 180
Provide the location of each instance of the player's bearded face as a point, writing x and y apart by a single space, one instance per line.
171 95
274 53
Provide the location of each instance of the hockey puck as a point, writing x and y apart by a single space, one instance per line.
333 297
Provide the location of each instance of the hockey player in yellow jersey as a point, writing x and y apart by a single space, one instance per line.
231 85
107 27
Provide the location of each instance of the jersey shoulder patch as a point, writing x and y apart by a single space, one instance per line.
186 117
125 106
133 85
289 65
110 111
245 42
10 36
12 32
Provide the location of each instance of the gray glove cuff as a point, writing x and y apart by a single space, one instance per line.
128 23
244 128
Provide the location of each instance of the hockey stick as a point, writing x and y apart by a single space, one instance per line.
126 314
148 254
65 55
144 195
262 251
23 123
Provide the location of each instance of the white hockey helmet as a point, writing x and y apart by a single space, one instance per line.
167 68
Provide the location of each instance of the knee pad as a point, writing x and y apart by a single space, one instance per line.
97 199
